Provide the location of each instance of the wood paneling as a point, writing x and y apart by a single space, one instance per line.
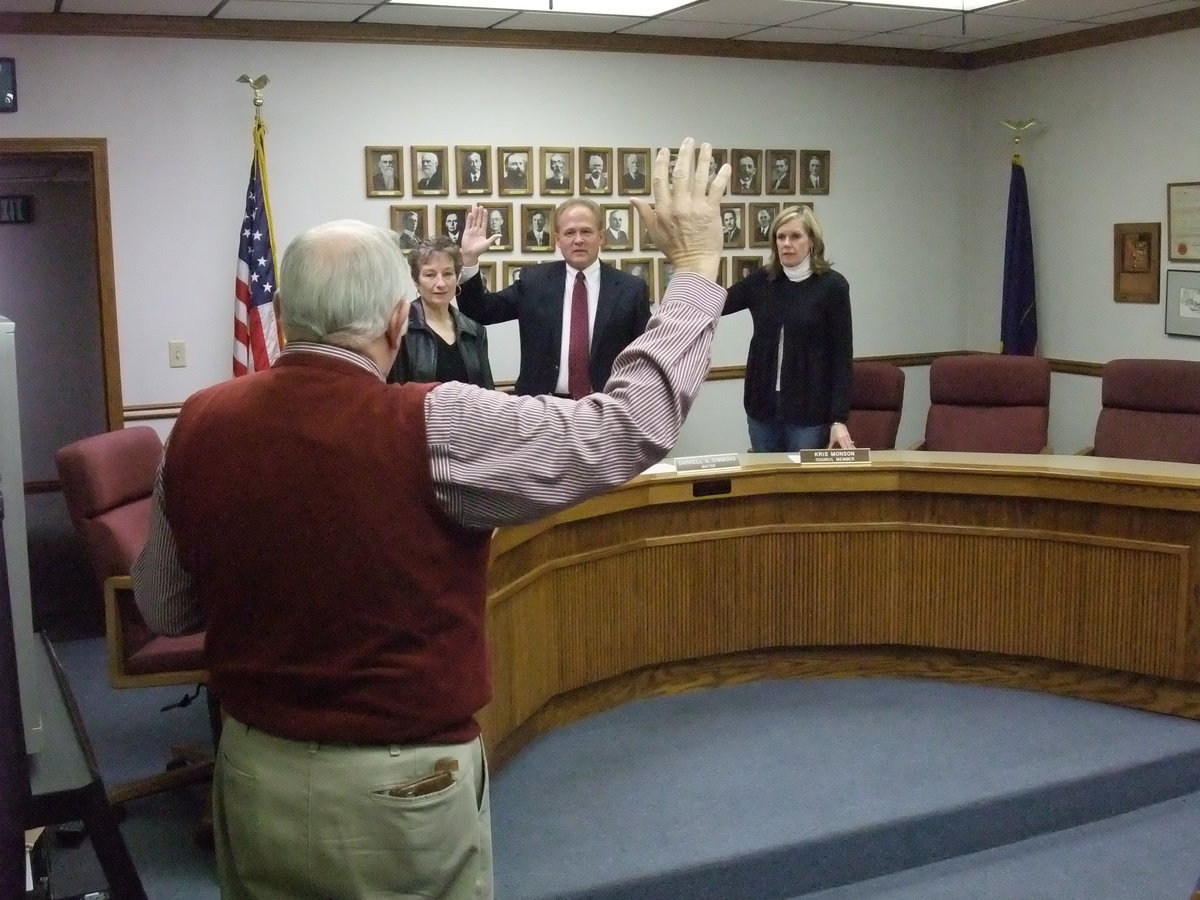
1069 574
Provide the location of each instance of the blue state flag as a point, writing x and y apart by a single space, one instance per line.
1018 313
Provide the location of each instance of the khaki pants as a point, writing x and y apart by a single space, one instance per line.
295 820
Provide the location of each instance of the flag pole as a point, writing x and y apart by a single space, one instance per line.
257 335
1018 310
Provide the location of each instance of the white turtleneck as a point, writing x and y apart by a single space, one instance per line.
793 273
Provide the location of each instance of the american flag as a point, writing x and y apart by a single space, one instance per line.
256 336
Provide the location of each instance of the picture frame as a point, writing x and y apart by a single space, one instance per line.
1183 221
780 177
515 165
430 177
757 235
473 169
719 158
618 226
512 270
741 266
402 217
487 272
8 84
733 232
815 165
1136 254
441 221
1183 303
634 177
664 270
595 171
645 241
640 267
534 240
378 162
747 171
558 170
499 221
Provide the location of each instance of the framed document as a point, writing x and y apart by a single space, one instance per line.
1183 222
1183 302
1135 262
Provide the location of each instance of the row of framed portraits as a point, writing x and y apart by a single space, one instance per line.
655 271
530 226
589 171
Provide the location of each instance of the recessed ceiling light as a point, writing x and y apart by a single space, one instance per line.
640 8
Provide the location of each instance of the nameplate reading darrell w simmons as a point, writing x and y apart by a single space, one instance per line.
860 456
704 463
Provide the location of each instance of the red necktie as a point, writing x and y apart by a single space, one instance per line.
578 381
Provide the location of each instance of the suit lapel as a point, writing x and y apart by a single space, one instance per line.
605 302
556 291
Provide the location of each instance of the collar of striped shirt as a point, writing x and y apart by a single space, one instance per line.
294 347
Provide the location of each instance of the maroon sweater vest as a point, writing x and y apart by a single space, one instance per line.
342 604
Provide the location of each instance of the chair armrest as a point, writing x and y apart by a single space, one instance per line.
1086 451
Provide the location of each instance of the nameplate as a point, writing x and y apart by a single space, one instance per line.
859 456
704 463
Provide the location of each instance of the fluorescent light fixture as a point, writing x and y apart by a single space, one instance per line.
947 5
640 8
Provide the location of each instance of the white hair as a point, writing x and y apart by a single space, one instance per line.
339 283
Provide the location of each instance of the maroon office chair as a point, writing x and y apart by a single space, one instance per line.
107 480
1150 409
988 403
876 402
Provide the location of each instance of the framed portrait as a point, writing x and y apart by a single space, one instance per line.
537 228
499 222
641 267
665 270
450 221
595 170
747 171
516 173
634 177
645 240
722 269
733 232
1183 222
719 158
781 172
741 266
557 166
8 84
385 171
618 229
815 172
487 271
429 175
512 270
1135 262
759 217
411 223
474 170
1183 303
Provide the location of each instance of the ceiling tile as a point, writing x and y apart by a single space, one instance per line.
1157 9
751 12
288 10
806 35
547 21
29 6
690 29
403 14
140 7
872 18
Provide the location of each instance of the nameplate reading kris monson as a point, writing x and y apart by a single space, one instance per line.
704 463
860 456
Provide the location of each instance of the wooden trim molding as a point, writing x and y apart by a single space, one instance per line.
1073 575
92 24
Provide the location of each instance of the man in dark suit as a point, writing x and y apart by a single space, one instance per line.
537 235
515 178
732 232
633 178
618 304
557 179
431 175
616 234
384 178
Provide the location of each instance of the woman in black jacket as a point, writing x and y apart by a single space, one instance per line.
441 343
800 362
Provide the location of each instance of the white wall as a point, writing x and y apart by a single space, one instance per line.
915 219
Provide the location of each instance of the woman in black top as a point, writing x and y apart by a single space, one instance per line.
801 355
441 343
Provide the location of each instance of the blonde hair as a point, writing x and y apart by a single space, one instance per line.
816 237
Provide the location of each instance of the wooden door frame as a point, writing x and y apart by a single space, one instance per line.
96 150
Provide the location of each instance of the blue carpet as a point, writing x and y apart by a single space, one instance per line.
774 789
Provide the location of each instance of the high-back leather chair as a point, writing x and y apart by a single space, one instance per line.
876 402
989 403
1150 409
107 481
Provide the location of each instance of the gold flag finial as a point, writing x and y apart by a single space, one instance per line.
257 84
1018 127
